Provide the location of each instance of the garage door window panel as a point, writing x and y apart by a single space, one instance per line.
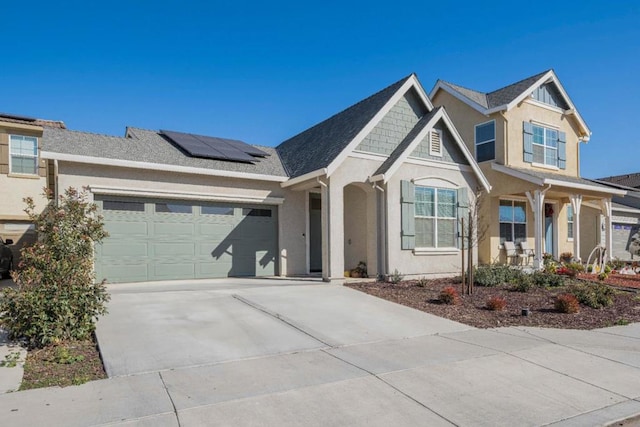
122 206
174 208
217 210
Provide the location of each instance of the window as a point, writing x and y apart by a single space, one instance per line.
513 221
545 145
486 141
116 205
217 210
570 222
256 212
435 217
173 208
24 154
435 143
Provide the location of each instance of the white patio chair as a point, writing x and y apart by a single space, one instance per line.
527 251
512 253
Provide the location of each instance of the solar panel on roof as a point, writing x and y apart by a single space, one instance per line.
17 117
207 147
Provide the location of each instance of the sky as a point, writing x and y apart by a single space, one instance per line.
262 72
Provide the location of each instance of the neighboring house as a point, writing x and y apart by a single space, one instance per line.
625 233
526 138
23 172
383 182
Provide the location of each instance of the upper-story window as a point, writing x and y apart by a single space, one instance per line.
486 141
544 146
23 153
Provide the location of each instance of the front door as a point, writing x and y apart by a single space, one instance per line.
315 233
548 229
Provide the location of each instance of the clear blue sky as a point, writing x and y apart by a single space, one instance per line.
264 71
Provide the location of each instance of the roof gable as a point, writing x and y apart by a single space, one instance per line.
506 98
318 146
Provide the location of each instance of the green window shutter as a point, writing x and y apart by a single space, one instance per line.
528 142
562 150
407 197
463 212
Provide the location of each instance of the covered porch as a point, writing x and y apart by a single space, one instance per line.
551 214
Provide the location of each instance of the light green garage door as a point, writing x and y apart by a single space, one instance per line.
166 240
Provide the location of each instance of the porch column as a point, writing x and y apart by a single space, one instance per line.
538 216
332 232
605 205
576 204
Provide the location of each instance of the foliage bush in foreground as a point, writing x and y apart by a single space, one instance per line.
594 295
450 296
56 298
494 275
567 303
395 277
496 303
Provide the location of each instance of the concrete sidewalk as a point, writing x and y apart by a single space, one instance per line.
352 360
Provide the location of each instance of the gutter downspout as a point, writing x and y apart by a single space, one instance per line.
326 235
383 268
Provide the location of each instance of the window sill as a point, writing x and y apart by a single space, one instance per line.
543 166
436 251
24 175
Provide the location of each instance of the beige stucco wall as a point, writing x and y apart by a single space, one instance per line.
526 112
356 212
406 261
466 118
589 230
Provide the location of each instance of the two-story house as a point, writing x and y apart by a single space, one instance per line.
23 172
526 138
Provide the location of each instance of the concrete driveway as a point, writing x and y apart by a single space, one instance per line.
255 352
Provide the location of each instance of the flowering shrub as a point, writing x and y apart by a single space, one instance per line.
567 303
56 298
449 295
496 303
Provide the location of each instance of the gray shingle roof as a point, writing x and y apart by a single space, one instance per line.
560 177
148 146
318 146
384 167
627 180
498 97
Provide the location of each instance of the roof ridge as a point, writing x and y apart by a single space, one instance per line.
538 75
86 132
462 87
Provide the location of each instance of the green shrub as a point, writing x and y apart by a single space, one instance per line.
594 295
395 278
575 266
494 275
422 282
449 295
543 279
496 303
567 303
56 298
524 284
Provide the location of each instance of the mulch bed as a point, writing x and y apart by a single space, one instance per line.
63 365
472 311
614 279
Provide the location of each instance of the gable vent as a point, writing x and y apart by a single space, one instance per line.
435 142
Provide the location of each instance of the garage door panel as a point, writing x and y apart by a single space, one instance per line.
124 248
152 245
127 228
173 249
173 229
166 271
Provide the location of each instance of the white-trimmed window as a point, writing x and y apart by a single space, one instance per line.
435 142
435 217
485 134
569 222
545 145
23 154
513 221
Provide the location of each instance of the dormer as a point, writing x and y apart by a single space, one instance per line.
531 123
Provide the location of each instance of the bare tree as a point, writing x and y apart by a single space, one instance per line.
473 229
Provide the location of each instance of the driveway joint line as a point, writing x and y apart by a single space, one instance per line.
579 349
408 396
609 423
551 369
280 317
166 389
